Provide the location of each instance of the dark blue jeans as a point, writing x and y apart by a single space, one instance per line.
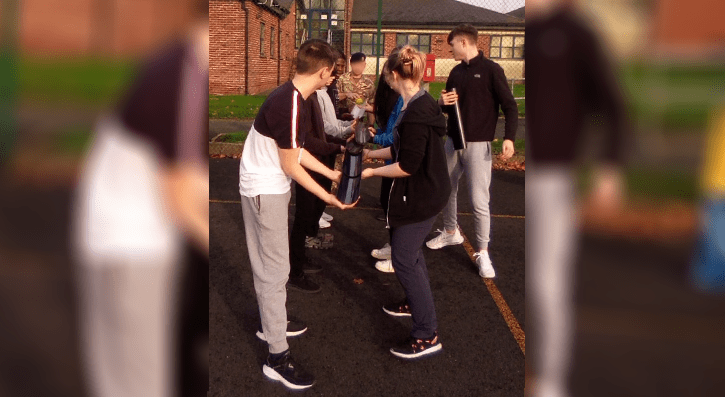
409 264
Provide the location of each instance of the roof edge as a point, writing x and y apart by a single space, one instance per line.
281 12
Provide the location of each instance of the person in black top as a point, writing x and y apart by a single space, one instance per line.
385 99
569 78
308 207
273 156
332 91
481 90
141 215
420 189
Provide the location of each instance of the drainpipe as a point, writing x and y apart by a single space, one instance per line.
377 39
279 53
246 47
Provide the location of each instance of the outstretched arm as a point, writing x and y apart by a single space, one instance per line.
388 171
383 154
292 161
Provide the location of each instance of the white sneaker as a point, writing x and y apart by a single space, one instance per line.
324 224
327 217
382 253
385 266
485 267
444 239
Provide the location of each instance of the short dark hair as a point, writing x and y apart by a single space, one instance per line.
357 57
314 55
467 31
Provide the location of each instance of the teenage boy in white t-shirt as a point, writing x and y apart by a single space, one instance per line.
272 157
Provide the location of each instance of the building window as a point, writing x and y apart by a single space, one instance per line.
271 42
507 47
322 19
420 42
261 40
363 42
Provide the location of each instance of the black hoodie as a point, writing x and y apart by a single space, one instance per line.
482 90
418 148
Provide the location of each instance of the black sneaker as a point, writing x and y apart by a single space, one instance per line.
294 328
414 348
303 284
311 268
287 371
401 309
323 241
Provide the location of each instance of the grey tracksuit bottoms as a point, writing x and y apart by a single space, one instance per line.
265 223
475 162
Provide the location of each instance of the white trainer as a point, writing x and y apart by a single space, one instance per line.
485 267
385 266
382 253
324 224
327 217
444 239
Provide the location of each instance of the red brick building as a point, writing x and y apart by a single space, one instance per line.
251 44
689 28
115 27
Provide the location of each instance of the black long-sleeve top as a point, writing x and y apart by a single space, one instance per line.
569 78
418 149
482 90
317 142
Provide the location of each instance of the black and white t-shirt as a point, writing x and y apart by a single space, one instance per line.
279 125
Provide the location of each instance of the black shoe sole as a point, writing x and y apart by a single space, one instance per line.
306 291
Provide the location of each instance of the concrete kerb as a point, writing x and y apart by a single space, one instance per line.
224 148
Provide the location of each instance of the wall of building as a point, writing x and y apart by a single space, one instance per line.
226 47
227 43
109 27
286 43
263 69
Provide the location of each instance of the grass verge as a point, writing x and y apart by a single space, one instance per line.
235 106
233 137
88 81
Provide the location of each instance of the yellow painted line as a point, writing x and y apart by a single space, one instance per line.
374 209
503 307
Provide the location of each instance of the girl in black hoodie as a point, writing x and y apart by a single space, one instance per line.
420 190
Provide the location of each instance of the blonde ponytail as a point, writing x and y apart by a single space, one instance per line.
408 63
